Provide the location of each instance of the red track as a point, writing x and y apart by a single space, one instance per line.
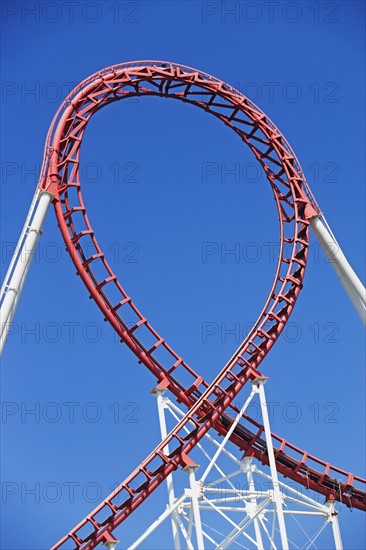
206 403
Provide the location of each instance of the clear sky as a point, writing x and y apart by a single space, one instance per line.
160 181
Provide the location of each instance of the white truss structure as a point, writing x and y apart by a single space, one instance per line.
241 514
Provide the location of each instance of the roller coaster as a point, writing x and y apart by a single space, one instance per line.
209 405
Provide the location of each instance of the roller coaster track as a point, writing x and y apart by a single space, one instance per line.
209 405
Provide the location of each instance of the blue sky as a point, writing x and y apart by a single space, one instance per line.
158 185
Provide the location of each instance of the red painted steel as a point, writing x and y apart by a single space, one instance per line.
206 403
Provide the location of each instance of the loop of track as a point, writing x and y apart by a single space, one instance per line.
206 403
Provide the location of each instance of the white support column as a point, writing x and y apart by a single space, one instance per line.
248 469
20 241
195 505
337 533
352 284
169 481
259 384
20 263
333 518
111 544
